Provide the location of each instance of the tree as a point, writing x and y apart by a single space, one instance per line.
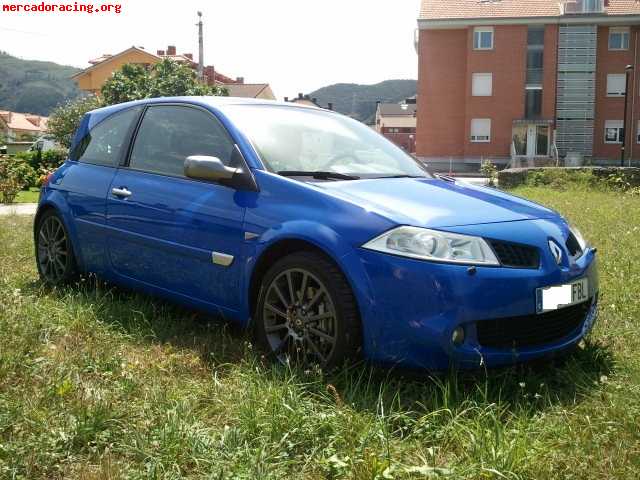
65 120
132 82
164 79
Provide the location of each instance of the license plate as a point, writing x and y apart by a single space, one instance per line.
560 296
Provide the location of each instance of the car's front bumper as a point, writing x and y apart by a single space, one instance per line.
415 306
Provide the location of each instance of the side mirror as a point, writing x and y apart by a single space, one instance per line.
202 167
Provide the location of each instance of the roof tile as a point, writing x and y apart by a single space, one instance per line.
463 9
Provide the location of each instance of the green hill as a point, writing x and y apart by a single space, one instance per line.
34 87
359 101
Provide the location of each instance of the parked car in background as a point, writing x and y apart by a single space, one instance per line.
320 234
43 144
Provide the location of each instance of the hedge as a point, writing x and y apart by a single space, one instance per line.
625 177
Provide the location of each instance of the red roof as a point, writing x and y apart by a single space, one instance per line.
23 122
465 9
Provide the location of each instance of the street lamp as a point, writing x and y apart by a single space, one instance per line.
628 69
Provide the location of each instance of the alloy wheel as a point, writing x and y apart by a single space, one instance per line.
300 318
53 250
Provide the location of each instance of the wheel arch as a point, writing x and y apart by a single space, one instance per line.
275 251
55 202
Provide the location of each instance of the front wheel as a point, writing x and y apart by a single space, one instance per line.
54 253
306 312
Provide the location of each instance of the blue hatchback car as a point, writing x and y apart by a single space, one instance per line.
324 237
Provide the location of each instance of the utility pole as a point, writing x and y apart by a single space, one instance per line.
200 48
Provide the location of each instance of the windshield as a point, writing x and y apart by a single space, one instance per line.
291 139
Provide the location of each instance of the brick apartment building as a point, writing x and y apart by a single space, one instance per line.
527 80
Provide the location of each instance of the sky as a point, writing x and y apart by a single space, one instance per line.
295 45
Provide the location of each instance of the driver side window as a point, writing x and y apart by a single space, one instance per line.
169 134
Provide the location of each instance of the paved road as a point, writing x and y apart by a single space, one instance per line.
474 180
18 209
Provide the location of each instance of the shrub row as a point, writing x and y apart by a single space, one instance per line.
623 178
26 170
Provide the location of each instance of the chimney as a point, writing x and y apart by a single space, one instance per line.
189 56
171 50
239 79
209 75
330 105
160 53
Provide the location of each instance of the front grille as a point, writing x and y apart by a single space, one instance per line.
531 330
573 246
516 255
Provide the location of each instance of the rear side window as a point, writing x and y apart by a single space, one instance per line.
105 143
170 134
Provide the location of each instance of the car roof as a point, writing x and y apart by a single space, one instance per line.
216 102
92 118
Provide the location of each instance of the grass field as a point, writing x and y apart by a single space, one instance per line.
28 196
100 383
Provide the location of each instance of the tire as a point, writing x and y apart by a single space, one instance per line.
55 258
320 328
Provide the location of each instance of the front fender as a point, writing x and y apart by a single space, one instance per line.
334 246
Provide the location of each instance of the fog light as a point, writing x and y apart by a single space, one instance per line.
458 336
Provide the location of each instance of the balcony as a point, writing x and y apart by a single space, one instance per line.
579 7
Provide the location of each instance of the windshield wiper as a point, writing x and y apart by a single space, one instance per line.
402 176
318 175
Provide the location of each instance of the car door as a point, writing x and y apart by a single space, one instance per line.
180 235
87 177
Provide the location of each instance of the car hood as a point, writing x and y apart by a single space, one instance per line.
435 203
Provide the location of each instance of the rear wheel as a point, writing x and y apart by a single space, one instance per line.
54 253
306 312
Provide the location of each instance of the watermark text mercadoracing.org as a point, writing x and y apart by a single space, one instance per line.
77 7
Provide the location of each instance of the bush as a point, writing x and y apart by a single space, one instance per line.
20 170
52 159
10 185
490 171
44 161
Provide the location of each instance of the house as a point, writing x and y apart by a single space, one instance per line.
21 126
302 99
527 79
250 90
92 78
397 122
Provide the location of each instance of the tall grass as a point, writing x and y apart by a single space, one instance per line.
99 382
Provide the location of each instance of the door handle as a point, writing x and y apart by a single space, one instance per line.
121 192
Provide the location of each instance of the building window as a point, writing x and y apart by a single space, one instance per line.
619 38
483 38
616 85
533 102
638 133
613 131
481 130
482 84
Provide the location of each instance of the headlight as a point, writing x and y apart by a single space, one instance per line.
581 241
434 245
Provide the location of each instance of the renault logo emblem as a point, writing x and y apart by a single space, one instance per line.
556 251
